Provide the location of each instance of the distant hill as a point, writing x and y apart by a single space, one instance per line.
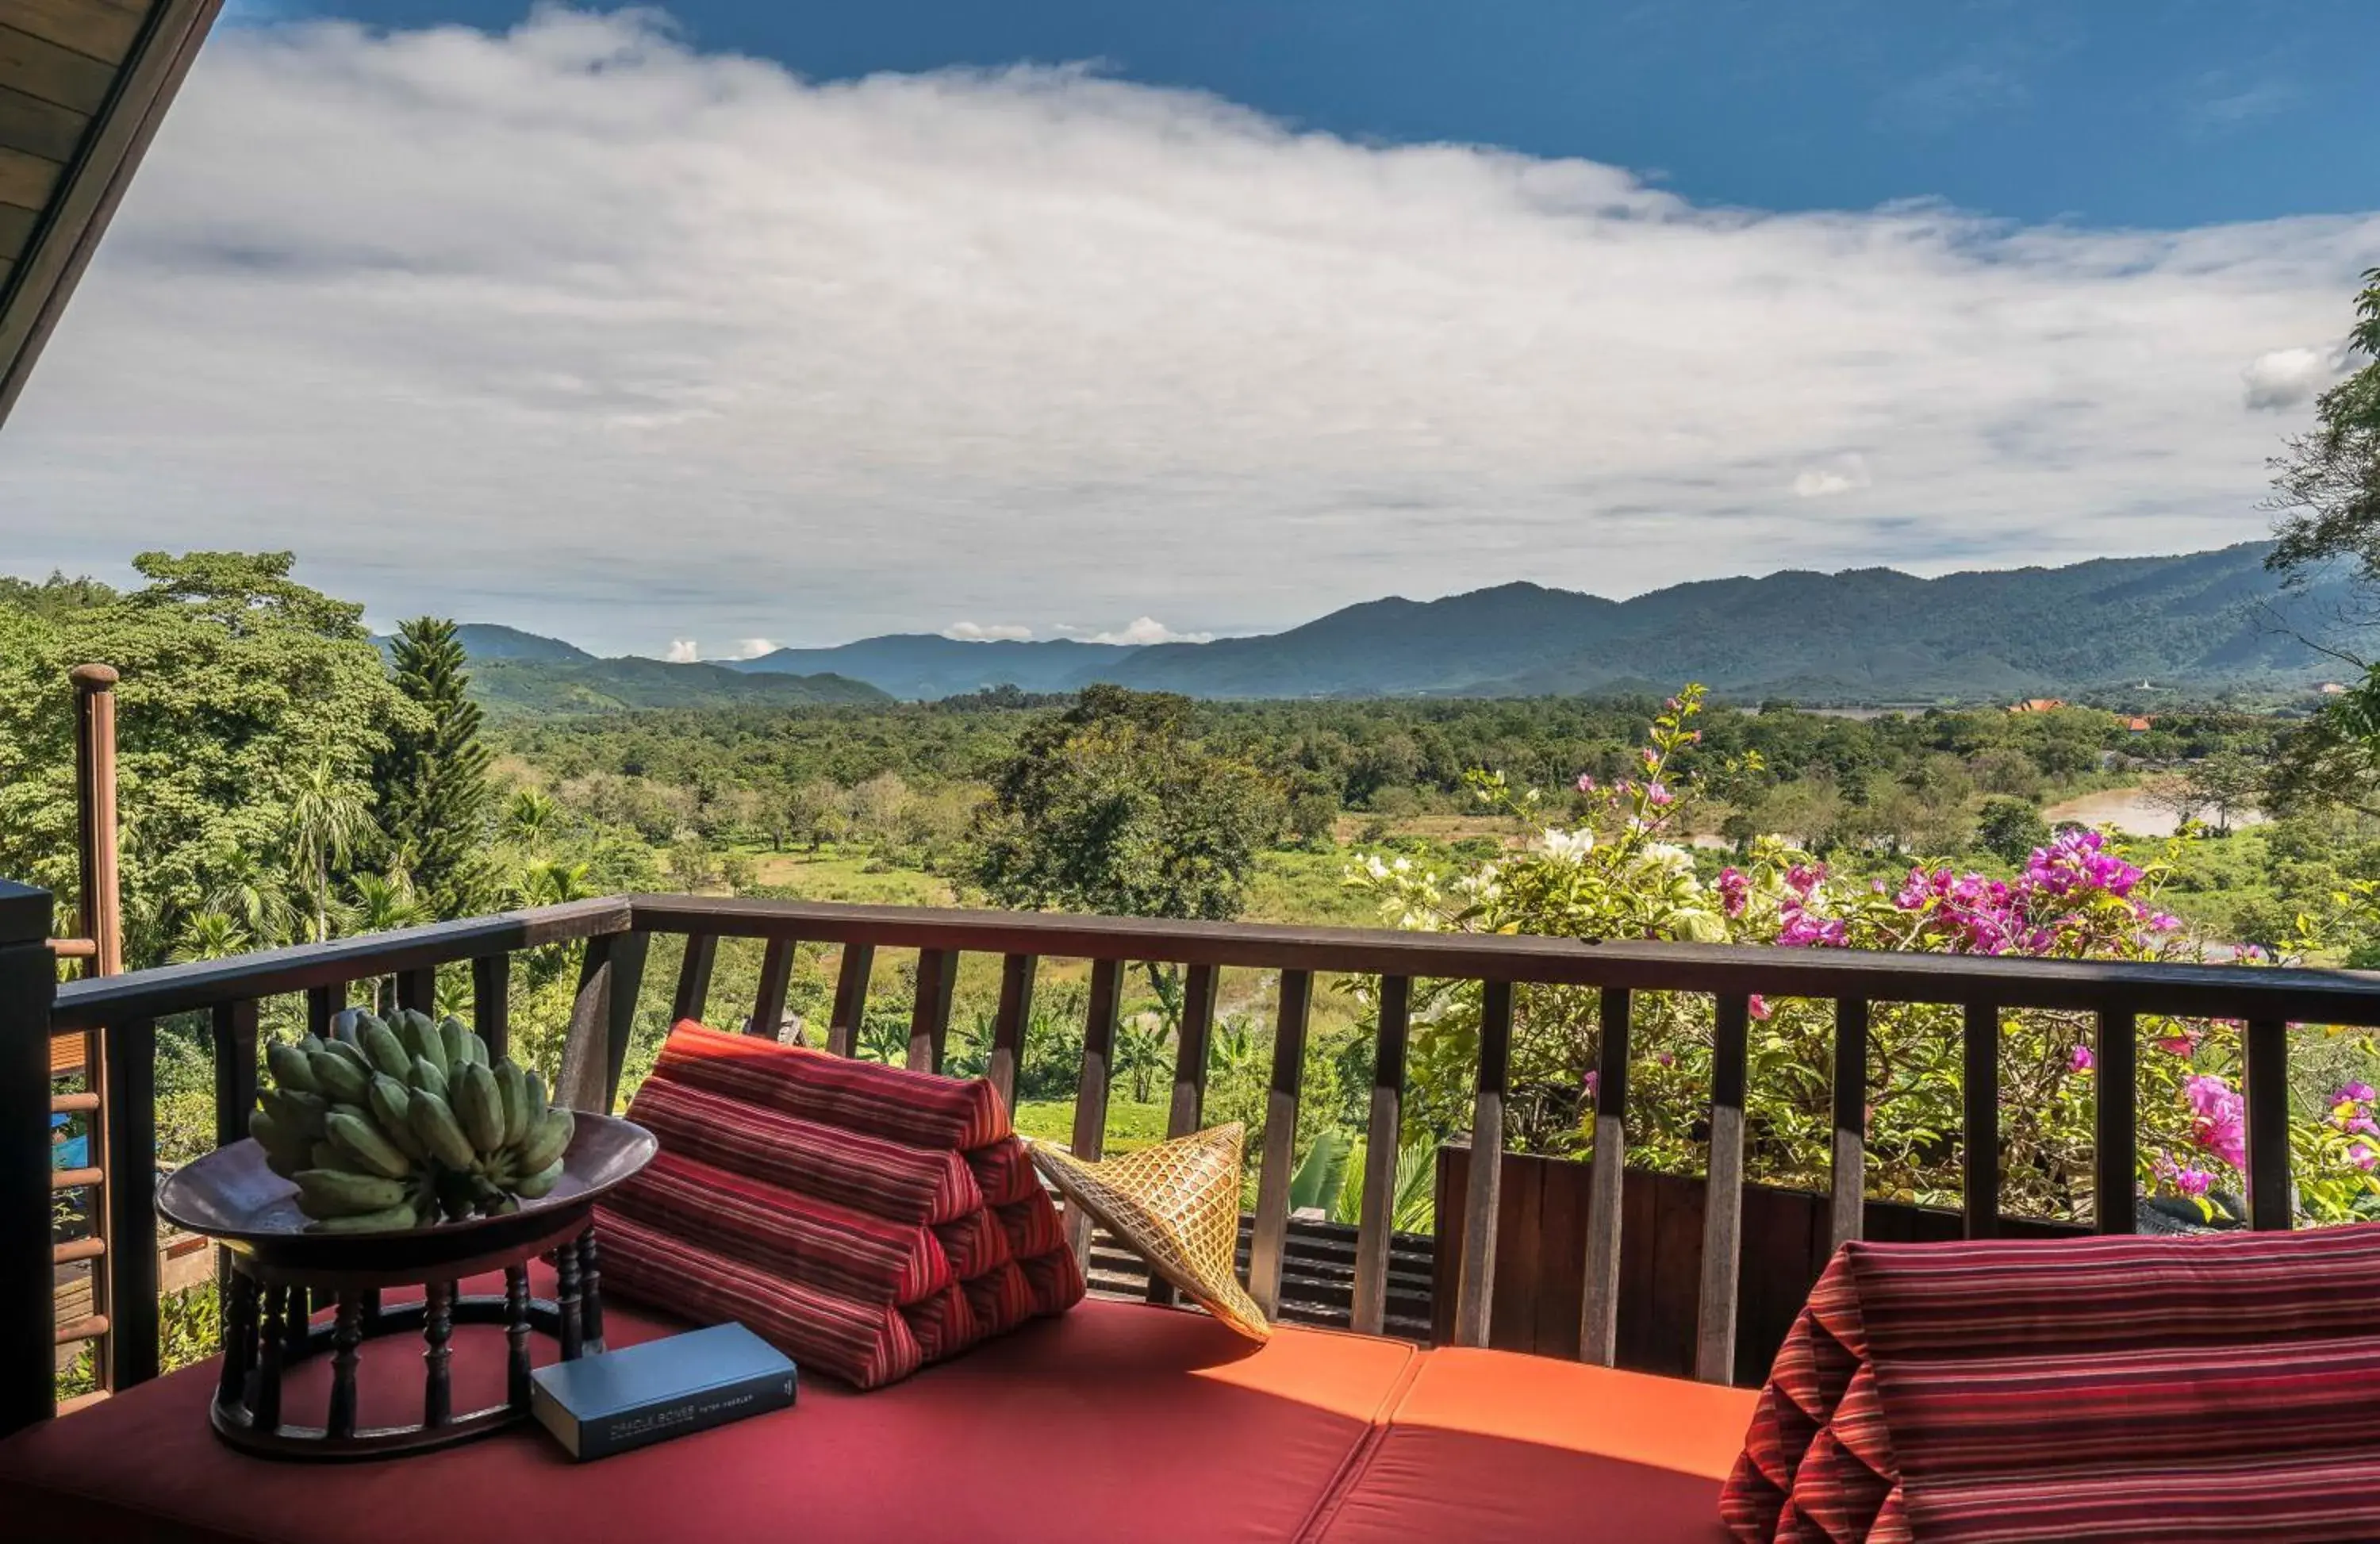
2200 622
510 686
2197 621
927 665
489 640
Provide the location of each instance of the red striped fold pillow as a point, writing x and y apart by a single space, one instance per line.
974 1244
944 1324
816 1242
922 1109
1032 1227
863 1346
869 1174
1055 1280
1005 1172
1002 1299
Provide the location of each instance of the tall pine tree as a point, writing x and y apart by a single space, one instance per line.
432 781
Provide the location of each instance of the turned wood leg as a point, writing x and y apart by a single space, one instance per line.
565 1300
239 1335
264 1409
516 1336
590 1292
347 1334
437 1329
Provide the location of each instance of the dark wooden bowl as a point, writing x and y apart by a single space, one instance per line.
231 1196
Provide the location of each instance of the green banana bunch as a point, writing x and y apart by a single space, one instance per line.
390 1124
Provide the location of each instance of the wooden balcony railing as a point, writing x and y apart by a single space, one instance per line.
616 932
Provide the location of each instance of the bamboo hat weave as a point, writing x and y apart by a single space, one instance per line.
1177 1205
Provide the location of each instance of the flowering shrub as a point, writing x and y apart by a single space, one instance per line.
1622 873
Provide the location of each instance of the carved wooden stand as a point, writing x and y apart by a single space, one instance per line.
268 1327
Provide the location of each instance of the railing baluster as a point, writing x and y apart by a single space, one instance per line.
1183 1115
1723 1197
1377 1220
418 990
694 977
322 1004
129 1093
1598 1316
1017 973
776 979
1847 1217
235 1049
850 997
492 1003
1091 1094
929 1011
1981 1140
1270 1238
28 988
1476 1290
2115 1079
2266 1063
600 1018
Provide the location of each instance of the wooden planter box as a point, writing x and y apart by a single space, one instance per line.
1541 1253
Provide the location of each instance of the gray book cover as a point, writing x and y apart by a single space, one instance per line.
619 1400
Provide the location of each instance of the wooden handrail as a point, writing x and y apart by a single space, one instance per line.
173 988
2299 995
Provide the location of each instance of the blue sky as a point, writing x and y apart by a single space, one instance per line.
2118 112
748 324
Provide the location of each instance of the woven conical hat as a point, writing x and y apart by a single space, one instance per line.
1177 1205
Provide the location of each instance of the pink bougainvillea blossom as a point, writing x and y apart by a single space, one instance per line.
1734 890
2083 1061
2218 1118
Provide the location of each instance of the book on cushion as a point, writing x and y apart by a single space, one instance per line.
923 1109
617 1399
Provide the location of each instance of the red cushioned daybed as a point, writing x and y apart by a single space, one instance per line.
1114 1422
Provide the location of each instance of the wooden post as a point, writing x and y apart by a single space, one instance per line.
102 920
609 975
28 986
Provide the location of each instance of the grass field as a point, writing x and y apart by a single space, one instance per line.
1130 1126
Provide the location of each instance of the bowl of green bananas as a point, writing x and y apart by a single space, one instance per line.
400 1127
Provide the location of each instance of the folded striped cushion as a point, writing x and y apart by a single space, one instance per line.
974 1244
944 1324
863 1346
1002 1299
922 1109
816 1242
1005 1172
1055 1281
849 1168
1031 1225
2128 1390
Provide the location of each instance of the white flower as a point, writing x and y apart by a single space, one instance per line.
1672 859
1568 847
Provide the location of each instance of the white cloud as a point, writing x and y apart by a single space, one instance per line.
751 648
2286 377
978 632
1840 475
683 652
574 328
1147 630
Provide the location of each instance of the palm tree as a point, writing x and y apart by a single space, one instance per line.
328 819
1140 1058
530 816
248 892
546 882
386 903
209 935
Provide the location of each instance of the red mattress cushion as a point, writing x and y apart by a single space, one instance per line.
1492 1447
1115 1422
923 1109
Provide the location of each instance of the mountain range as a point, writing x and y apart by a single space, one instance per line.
2200 621
515 672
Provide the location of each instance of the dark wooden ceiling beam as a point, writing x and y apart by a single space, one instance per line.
86 190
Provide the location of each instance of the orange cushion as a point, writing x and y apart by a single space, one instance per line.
1490 1447
1117 1421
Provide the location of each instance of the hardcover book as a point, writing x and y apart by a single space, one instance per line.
607 1403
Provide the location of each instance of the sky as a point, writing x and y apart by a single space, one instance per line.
692 331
